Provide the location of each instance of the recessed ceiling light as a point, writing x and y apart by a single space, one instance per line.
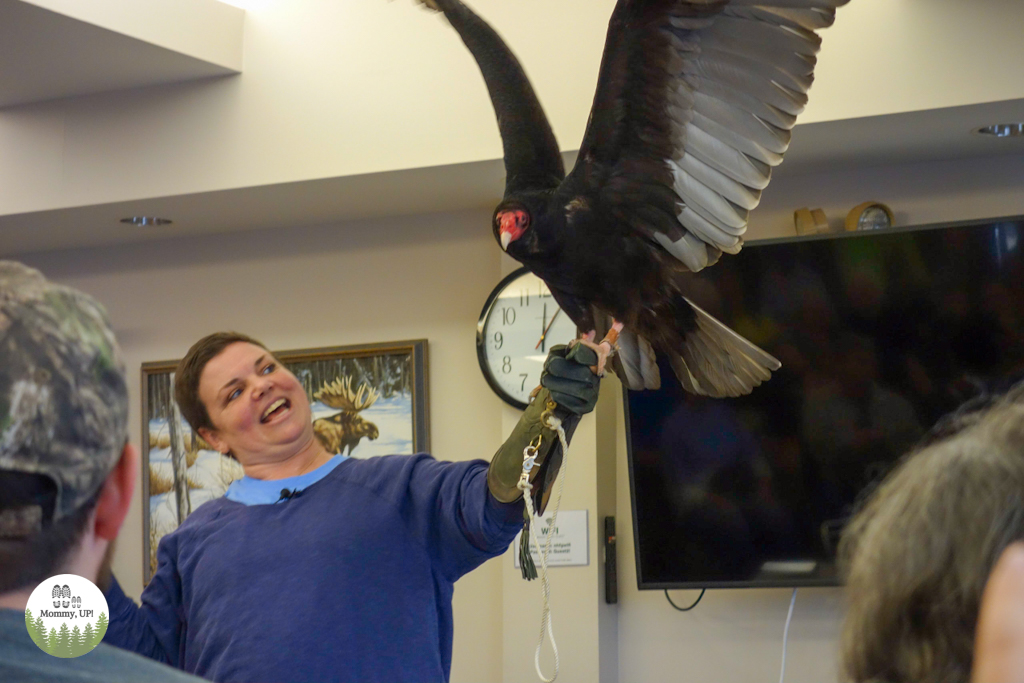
146 220
1002 130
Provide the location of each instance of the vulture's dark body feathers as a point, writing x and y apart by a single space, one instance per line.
694 106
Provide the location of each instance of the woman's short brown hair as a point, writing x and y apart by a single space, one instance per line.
917 556
190 370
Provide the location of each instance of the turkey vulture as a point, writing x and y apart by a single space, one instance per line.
694 106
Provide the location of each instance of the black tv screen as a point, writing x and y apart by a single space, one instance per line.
879 333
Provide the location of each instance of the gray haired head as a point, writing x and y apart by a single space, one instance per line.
63 394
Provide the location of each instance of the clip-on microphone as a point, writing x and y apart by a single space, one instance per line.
288 495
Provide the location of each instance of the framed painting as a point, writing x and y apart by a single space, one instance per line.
366 400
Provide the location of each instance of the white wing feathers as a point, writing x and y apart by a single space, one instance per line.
720 156
741 79
737 193
689 249
745 125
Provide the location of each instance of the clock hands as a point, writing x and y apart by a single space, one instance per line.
544 334
543 328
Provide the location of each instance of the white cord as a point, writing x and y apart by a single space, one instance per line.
785 636
525 486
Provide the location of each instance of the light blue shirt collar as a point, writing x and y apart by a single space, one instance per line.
249 491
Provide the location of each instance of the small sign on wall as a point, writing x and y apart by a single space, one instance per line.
570 546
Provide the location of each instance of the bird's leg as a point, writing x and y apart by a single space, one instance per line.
604 349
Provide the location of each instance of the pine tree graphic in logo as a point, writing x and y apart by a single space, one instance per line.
76 623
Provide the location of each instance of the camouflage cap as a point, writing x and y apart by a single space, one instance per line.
63 394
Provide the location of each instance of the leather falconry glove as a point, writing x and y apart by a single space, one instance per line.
568 389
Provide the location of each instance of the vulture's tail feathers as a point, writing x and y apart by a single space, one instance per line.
639 366
716 361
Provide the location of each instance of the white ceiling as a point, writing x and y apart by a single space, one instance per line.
47 55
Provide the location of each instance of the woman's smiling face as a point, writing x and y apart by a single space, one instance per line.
259 410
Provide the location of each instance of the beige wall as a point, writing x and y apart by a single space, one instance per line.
427 276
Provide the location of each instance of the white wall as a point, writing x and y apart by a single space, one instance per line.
427 276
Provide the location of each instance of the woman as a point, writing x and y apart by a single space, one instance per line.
315 566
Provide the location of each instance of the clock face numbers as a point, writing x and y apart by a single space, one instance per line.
522 324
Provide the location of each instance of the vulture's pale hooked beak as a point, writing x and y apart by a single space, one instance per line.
512 225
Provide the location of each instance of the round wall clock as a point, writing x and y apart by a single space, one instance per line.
518 326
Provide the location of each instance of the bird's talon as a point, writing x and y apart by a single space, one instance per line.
604 351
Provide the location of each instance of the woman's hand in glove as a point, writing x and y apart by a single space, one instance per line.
568 376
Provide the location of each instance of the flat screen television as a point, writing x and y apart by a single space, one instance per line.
879 333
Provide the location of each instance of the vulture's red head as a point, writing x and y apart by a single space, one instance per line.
511 224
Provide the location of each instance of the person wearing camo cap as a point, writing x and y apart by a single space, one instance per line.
67 471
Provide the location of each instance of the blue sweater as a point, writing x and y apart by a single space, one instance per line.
351 580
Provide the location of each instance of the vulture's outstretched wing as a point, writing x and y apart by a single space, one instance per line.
532 159
694 107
